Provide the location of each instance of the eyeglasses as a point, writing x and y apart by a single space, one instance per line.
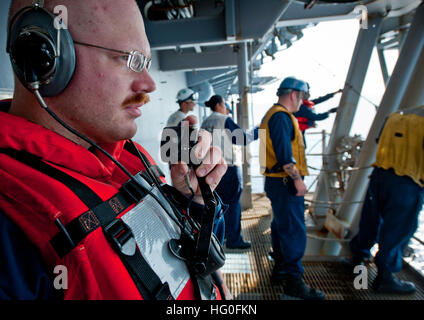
136 61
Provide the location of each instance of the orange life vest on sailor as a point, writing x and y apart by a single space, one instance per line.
303 122
267 157
34 201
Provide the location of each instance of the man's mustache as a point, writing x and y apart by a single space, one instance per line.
140 98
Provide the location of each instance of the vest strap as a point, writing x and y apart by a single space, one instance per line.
100 214
148 283
82 226
152 169
88 196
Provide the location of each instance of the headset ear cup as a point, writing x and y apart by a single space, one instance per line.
33 52
34 55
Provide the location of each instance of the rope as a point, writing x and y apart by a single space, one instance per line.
361 96
342 170
334 203
312 236
324 154
347 84
418 240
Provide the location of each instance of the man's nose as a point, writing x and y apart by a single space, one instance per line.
143 82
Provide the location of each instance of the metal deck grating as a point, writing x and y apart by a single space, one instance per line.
252 282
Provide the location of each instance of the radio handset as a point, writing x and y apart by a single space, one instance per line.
208 255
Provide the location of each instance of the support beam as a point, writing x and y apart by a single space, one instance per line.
195 77
171 60
414 95
224 80
230 19
383 65
399 85
240 19
194 31
261 45
297 15
365 43
250 27
243 121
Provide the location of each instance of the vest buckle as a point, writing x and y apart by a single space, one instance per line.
121 237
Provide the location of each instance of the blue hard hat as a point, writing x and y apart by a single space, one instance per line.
294 84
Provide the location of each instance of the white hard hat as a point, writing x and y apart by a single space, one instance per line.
186 94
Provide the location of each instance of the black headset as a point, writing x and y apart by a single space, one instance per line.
32 43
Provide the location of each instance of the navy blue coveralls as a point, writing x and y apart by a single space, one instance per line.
389 217
288 230
230 188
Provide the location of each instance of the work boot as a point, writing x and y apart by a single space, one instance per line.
295 287
349 264
386 282
278 277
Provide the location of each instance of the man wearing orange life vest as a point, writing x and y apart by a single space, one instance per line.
306 116
283 162
393 201
65 196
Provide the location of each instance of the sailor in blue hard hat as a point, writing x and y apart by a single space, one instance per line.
283 163
291 83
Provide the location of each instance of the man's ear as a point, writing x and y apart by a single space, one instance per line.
293 95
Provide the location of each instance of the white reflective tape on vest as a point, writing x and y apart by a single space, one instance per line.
152 229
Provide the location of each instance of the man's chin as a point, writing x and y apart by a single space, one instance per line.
125 135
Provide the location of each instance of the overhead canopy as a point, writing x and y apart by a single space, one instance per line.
201 37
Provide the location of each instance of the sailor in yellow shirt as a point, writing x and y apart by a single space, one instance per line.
282 159
394 199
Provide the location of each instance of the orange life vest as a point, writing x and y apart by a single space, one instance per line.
304 122
37 203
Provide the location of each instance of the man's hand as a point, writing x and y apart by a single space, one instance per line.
300 187
332 110
212 167
298 182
